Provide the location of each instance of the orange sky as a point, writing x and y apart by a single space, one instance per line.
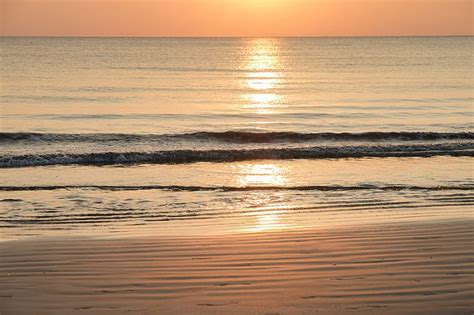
235 17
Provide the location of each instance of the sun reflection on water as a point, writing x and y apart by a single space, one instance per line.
262 79
262 63
267 221
261 175
268 205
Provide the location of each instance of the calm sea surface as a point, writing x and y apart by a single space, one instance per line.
229 135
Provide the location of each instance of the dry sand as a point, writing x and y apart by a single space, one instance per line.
419 268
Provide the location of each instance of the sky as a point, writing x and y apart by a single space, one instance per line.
239 18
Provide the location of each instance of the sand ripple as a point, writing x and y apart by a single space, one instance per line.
404 268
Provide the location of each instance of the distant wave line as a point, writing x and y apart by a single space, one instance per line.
239 136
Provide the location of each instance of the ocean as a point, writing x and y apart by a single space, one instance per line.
168 136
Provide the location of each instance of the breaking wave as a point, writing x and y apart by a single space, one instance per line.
193 156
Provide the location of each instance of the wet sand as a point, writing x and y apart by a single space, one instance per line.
402 268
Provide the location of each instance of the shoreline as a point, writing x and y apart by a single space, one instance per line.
404 267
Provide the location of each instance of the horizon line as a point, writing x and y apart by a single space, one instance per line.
232 37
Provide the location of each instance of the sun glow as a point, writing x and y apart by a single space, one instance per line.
237 18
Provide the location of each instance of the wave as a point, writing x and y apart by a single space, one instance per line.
193 156
235 188
239 136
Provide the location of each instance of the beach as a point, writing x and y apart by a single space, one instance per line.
409 268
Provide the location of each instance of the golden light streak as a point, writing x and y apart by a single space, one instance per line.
262 61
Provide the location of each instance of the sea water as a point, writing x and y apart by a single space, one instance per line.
196 135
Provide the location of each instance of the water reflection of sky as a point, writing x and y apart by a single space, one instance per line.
262 62
258 174
269 207
263 77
